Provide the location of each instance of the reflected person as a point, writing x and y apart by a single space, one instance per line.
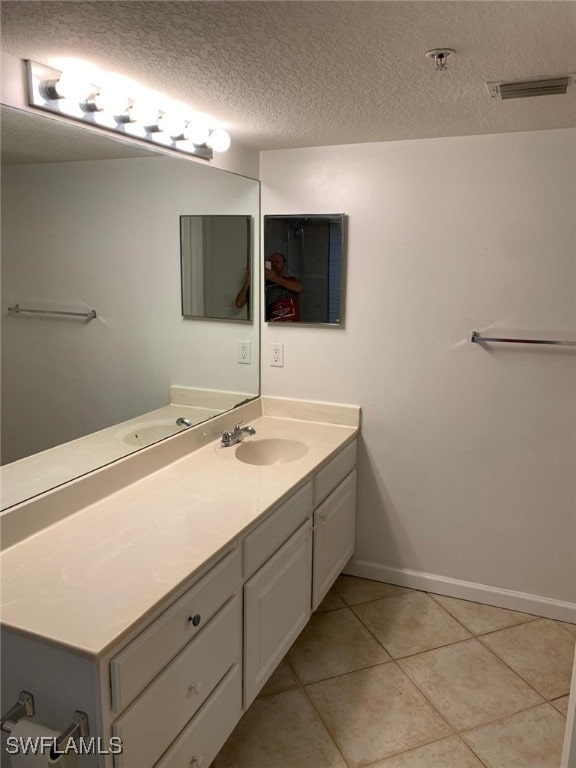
282 292
243 295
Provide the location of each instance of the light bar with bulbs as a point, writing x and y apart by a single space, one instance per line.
73 96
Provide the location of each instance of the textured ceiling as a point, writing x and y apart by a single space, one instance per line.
292 74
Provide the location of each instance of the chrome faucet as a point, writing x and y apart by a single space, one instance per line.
231 438
182 422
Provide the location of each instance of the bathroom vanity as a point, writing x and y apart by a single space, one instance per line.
162 609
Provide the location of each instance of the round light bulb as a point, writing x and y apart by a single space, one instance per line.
111 101
172 124
72 86
219 140
144 114
197 131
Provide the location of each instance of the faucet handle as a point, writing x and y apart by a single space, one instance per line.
238 427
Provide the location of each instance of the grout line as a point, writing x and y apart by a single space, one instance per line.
349 672
382 597
480 760
464 731
425 695
478 634
528 683
414 749
302 687
416 653
327 728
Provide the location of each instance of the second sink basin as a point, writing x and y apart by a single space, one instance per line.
270 450
150 432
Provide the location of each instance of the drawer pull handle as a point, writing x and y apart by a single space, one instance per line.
196 761
196 619
195 688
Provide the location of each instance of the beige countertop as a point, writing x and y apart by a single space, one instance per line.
87 580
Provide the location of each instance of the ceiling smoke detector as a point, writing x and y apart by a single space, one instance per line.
540 86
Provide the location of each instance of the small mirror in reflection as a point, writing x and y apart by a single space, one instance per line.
303 268
215 264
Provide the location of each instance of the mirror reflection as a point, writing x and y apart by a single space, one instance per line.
304 269
215 253
92 223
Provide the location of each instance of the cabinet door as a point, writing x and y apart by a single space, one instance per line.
276 609
334 528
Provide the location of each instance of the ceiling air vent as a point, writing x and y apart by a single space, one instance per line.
521 89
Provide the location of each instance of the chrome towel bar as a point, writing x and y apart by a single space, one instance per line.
17 309
478 339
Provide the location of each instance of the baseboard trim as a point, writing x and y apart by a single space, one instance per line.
466 590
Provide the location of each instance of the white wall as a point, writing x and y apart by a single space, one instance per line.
468 460
106 235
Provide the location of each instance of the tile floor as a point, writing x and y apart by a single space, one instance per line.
389 677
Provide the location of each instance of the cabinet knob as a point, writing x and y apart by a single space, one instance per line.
196 619
196 761
195 688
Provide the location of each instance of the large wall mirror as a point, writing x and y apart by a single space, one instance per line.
304 269
91 223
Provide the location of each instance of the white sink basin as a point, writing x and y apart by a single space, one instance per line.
270 450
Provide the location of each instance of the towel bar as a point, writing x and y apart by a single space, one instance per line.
478 339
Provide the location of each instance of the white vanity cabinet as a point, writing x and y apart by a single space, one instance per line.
174 688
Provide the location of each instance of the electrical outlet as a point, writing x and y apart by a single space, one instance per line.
244 352
277 355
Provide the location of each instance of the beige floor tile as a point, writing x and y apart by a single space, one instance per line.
570 627
334 643
468 684
375 713
446 753
355 590
331 602
561 705
530 739
281 731
410 623
282 679
542 652
479 618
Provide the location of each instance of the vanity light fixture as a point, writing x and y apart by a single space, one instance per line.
440 57
105 107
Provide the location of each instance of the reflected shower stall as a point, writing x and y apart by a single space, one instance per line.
312 246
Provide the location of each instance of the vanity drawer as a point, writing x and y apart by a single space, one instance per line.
149 726
334 472
202 739
269 536
133 668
